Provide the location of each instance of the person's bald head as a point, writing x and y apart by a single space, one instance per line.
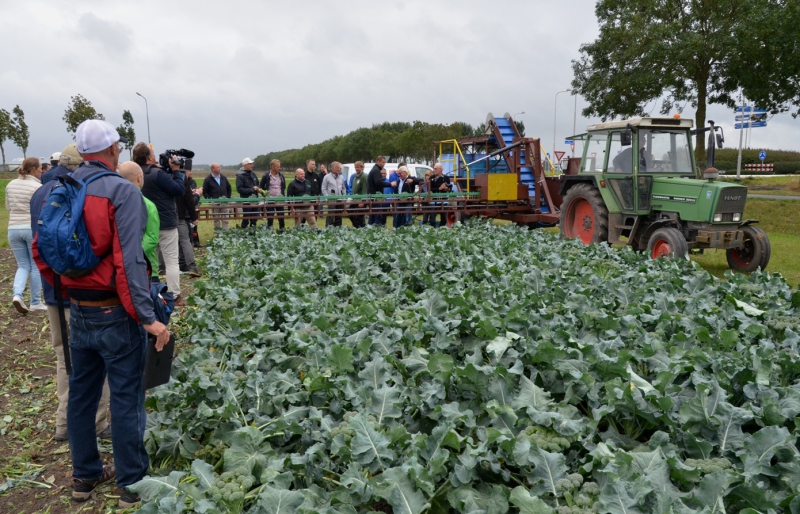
133 172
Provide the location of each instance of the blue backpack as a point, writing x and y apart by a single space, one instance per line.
63 240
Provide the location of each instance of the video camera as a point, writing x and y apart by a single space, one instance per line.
185 160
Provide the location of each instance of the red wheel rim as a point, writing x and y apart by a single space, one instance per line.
743 256
661 249
451 219
581 222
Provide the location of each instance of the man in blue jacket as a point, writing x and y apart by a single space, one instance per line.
162 187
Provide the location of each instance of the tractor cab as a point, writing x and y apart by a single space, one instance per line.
629 155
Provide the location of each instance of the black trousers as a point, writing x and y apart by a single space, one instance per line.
276 211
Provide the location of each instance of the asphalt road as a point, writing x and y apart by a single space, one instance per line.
773 197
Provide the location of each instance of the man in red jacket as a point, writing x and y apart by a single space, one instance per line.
110 315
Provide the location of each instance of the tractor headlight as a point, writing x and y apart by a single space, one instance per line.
737 216
718 217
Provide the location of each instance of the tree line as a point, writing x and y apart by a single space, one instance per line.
13 127
398 141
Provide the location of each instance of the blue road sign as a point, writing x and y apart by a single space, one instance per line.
752 117
569 142
762 155
751 109
755 124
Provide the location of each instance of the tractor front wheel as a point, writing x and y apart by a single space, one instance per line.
584 215
667 242
754 253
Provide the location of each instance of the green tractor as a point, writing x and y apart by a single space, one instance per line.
637 184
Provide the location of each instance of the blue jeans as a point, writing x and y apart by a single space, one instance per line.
20 240
107 341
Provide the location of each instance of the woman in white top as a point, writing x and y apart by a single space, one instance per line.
18 204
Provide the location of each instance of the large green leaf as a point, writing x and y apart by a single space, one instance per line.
370 447
521 498
399 492
278 501
246 451
151 487
550 468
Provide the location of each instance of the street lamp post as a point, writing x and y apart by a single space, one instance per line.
147 113
555 112
515 115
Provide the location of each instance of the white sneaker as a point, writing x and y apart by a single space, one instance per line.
20 305
38 307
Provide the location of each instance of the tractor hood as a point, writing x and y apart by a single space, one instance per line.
698 200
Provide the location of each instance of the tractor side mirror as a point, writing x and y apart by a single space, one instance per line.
626 138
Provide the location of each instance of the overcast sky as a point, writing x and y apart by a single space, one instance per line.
234 79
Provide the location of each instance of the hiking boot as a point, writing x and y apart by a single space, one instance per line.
127 499
105 435
194 273
60 436
179 301
82 489
19 303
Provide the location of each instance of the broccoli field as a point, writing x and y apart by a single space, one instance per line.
483 369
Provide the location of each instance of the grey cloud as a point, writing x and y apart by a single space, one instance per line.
113 37
242 78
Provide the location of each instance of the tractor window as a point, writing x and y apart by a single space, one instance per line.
665 151
620 158
595 152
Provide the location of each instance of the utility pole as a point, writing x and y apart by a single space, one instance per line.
741 137
147 112
555 117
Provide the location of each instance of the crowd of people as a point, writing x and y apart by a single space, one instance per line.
311 181
142 222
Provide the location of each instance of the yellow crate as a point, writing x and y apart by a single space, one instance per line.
502 186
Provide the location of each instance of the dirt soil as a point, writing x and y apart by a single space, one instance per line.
27 414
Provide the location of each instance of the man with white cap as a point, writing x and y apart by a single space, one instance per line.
247 186
110 315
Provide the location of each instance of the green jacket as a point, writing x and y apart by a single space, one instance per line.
360 184
151 231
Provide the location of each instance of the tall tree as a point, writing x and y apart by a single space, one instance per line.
5 133
79 110
688 51
126 130
19 130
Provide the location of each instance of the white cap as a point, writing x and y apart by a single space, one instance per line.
56 156
95 136
247 160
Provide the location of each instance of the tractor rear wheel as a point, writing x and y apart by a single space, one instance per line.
754 253
584 215
665 242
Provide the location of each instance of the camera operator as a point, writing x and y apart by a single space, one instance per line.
162 188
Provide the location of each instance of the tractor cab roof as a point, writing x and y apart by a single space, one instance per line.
644 122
